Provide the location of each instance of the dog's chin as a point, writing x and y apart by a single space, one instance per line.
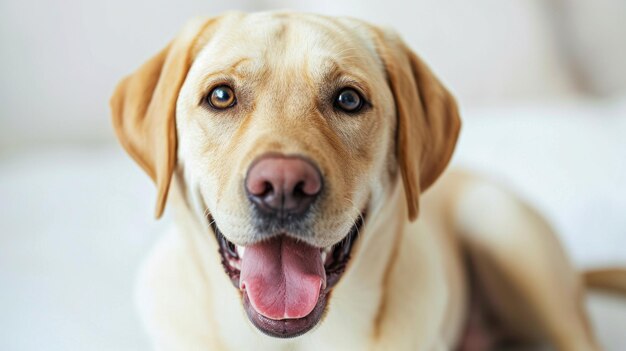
304 284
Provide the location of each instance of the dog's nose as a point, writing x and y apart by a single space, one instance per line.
283 185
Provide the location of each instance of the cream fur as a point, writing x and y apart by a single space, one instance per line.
407 285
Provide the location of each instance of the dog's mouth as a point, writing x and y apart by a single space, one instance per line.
285 282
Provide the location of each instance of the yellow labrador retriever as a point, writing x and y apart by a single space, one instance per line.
294 151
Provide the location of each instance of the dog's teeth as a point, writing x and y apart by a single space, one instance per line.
240 250
235 264
324 255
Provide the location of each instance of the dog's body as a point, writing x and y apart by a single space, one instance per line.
476 258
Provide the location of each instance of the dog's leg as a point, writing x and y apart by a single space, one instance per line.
528 283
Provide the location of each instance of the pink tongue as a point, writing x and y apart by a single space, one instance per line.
282 277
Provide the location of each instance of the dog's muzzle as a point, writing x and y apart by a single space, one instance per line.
284 280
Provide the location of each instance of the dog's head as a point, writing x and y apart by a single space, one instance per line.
285 130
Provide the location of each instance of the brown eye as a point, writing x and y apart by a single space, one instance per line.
349 100
222 97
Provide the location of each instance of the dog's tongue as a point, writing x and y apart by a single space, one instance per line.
282 277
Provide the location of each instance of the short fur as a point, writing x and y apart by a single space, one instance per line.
477 253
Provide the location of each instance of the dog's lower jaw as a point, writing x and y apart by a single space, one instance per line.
286 328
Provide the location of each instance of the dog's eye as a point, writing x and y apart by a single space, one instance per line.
222 97
349 100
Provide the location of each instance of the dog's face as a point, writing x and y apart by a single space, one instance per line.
295 95
286 130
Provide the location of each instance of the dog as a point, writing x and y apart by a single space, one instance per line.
295 151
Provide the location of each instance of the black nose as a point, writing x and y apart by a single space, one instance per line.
283 185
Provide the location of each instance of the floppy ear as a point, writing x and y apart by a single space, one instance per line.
428 122
144 107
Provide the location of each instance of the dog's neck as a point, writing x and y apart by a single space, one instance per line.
358 300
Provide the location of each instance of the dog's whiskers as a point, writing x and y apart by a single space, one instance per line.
359 215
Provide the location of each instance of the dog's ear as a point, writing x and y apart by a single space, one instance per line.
428 122
144 107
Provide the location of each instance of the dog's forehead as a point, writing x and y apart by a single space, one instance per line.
252 43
